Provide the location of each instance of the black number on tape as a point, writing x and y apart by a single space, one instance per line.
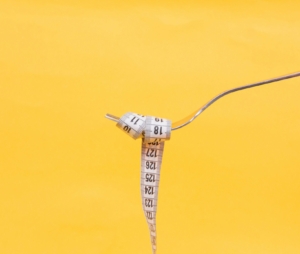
148 202
150 178
127 128
155 142
149 190
158 130
151 152
150 165
135 121
149 215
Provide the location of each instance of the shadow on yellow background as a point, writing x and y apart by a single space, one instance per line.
70 179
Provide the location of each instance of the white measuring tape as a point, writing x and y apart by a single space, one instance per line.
154 131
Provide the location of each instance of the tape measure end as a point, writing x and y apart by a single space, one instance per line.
112 117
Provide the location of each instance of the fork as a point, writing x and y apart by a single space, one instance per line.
190 118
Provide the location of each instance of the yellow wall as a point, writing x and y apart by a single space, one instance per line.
69 183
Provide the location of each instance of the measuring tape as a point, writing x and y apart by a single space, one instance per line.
153 131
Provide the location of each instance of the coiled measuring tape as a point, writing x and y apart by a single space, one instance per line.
153 131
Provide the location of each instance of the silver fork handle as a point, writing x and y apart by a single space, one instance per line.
185 121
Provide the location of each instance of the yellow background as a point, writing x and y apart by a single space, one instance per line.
69 183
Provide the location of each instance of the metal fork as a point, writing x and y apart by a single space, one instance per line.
190 118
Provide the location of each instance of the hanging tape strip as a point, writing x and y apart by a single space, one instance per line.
153 131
